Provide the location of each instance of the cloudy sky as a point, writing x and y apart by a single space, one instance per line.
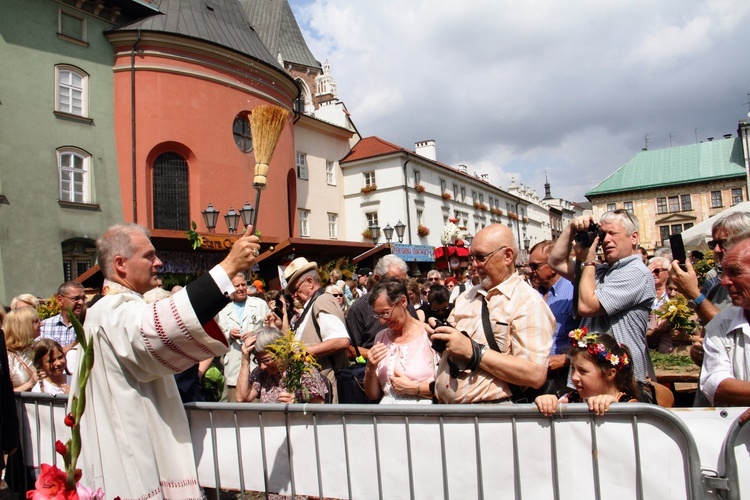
520 88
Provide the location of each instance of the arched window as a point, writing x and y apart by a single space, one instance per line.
74 167
72 90
171 204
241 131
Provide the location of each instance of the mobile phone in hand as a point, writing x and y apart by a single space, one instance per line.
678 249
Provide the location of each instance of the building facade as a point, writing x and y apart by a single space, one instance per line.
59 179
671 190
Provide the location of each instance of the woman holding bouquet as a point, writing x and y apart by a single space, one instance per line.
266 381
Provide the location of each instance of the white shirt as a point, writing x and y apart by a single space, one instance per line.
727 350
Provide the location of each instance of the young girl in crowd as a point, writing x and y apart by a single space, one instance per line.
602 372
49 359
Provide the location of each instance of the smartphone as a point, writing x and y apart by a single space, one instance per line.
678 249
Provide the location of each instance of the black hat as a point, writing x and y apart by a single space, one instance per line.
365 271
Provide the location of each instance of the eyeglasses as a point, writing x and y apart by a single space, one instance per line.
659 270
384 315
622 211
534 266
440 309
81 298
296 288
722 244
484 257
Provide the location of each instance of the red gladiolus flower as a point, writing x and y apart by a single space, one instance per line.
61 448
70 420
51 484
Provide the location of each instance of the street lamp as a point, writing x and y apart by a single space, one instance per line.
388 232
400 227
232 218
375 233
468 238
526 243
248 214
210 216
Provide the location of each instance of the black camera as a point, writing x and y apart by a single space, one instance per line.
439 345
586 237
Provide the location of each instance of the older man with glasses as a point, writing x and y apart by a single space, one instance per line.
616 295
502 330
72 297
558 294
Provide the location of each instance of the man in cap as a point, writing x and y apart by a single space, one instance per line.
320 326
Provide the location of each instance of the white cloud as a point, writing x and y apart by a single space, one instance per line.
517 88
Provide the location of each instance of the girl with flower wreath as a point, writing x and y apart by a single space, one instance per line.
602 372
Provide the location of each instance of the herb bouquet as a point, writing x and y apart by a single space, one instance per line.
294 361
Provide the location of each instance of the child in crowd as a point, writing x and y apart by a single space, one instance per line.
49 359
602 372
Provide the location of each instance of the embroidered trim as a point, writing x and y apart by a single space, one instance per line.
163 336
155 355
184 329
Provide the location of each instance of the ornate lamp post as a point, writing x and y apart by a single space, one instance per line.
400 227
468 238
210 216
232 219
388 232
375 233
248 214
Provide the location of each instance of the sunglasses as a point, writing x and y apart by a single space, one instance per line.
722 244
534 266
337 294
478 257
659 270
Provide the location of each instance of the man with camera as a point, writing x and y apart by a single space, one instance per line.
616 295
503 330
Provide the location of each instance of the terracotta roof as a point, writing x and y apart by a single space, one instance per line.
370 147
221 22
712 160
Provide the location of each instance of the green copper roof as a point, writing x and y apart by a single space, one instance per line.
710 160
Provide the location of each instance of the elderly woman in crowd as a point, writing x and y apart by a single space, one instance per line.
339 295
401 363
21 327
265 381
24 300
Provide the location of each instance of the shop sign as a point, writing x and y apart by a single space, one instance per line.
414 253
217 242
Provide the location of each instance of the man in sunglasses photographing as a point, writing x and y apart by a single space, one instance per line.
503 330
617 294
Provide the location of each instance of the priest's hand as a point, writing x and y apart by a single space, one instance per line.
243 254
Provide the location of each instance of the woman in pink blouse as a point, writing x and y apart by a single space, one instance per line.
401 363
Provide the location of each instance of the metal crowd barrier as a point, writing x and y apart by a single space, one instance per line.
449 451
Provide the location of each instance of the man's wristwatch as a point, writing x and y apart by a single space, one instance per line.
694 303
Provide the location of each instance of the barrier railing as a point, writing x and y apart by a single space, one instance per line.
731 482
460 451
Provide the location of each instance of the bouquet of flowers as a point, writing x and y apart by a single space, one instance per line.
678 314
293 360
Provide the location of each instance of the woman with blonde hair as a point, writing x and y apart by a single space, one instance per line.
21 327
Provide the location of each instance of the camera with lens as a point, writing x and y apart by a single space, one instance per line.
586 237
439 345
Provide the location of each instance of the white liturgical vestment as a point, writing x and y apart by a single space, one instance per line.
134 432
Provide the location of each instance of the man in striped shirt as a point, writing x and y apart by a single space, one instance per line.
616 295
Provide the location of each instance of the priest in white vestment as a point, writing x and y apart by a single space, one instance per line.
135 437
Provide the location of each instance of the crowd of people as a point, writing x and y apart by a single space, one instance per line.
573 323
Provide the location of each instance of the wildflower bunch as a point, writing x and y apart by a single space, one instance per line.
293 360
677 312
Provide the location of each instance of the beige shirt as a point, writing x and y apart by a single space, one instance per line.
523 326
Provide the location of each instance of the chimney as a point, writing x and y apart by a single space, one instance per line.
463 168
426 149
727 136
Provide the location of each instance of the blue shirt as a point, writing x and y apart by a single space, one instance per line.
560 300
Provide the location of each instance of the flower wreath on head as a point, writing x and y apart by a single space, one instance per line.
580 337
